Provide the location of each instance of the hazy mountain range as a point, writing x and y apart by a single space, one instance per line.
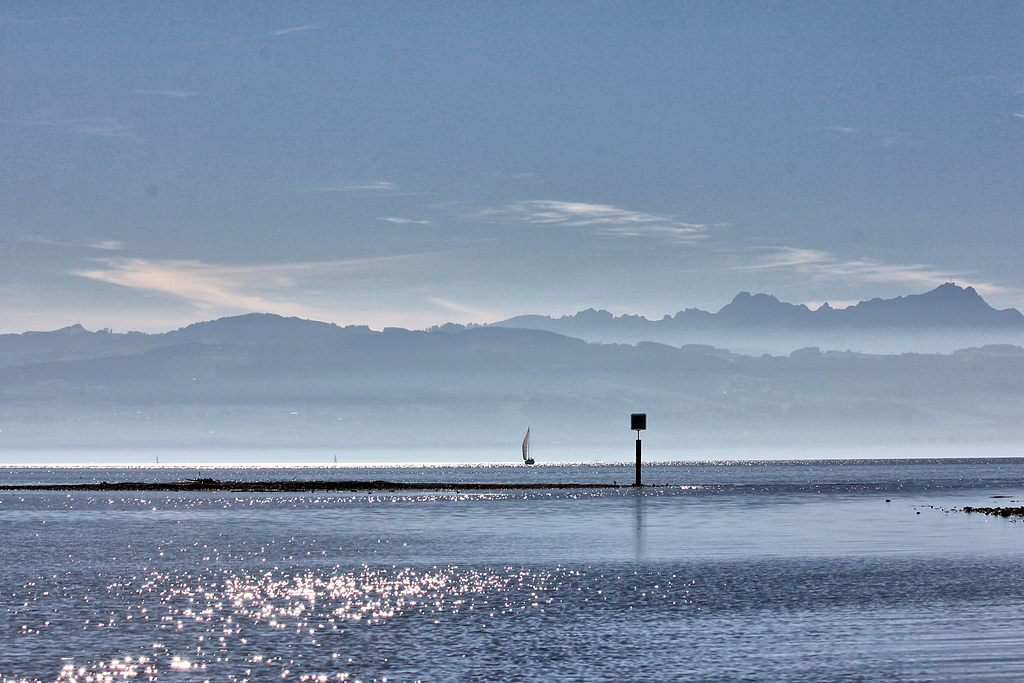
944 319
264 380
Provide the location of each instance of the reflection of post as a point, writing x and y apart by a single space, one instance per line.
638 422
639 548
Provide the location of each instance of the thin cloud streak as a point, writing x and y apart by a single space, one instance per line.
606 219
881 137
246 288
405 221
105 245
578 213
105 127
174 94
671 233
467 311
821 265
296 29
377 186
846 130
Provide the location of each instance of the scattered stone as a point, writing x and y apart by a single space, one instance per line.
999 512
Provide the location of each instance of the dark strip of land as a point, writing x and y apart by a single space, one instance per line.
999 512
297 486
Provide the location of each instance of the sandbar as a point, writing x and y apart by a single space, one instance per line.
206 484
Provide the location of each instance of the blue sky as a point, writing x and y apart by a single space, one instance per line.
414 163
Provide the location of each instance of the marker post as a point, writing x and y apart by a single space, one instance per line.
638 422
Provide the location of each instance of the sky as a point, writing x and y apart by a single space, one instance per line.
414 163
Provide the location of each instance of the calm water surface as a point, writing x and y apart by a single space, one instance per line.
757 571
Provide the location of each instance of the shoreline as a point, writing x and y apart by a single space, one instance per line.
303 486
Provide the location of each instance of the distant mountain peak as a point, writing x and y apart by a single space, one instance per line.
761 309
946 307
592 315
73 330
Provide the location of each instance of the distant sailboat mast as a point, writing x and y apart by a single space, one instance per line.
526 448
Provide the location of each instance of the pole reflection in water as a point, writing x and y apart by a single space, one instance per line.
638 524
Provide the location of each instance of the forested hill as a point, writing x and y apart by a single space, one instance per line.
265 380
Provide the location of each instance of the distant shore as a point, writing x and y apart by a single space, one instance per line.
207 484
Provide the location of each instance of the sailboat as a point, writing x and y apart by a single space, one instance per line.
526 448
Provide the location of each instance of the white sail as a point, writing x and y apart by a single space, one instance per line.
526 446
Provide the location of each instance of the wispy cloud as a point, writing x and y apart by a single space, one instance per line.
845 130
819 263
296 29
105 245
603 218
174 94
879 137
681 232
405 221
105 127
465 310
370 187
576 213
822 265
49 20
216 286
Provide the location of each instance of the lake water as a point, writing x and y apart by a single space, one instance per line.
797 570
